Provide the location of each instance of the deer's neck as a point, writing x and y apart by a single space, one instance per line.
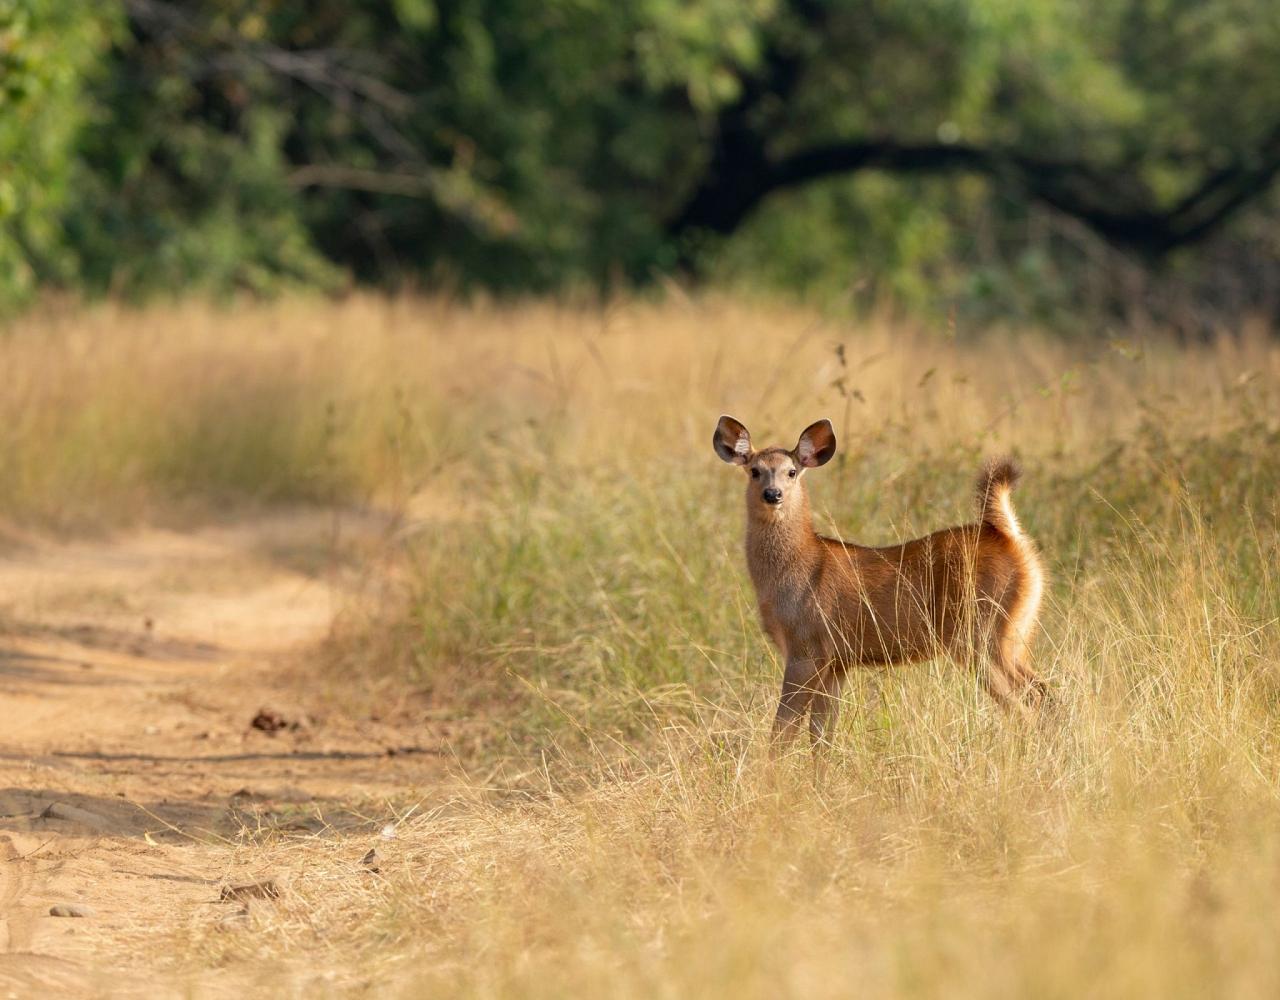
783 551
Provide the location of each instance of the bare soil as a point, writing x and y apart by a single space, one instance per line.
132 672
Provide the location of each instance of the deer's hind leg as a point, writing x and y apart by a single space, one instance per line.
1006 671
1015 654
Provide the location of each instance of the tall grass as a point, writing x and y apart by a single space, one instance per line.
112 415
575 575
1126 846
598 563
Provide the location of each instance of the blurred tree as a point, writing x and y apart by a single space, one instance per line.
46 48
520 144
1147 121
183 180
934 149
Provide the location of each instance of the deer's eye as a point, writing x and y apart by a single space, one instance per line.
792 473
755 473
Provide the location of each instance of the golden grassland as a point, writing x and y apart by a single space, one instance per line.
576 576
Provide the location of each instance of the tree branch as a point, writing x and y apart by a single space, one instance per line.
1108 202
1227 190
451 190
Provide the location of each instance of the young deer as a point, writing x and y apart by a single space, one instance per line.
971 592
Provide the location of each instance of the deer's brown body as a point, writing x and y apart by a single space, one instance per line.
971 592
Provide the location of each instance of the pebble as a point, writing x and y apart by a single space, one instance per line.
74 814
72 910
269 721
280 793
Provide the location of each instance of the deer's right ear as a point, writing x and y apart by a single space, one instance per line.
732 442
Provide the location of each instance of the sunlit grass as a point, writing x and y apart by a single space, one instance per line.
1128 846
573 552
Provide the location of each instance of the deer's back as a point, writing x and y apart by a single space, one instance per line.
906 602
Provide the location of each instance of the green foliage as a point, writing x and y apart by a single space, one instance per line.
167 203
1158 89
522 145
46 49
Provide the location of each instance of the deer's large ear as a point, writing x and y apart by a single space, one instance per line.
732 442
816 445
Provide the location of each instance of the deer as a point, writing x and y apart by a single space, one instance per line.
970 593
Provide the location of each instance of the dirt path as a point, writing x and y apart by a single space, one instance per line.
130 674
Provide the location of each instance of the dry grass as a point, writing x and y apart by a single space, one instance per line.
576 563
112 415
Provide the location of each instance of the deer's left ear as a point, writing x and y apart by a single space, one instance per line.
816 445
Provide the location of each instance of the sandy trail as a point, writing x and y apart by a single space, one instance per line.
130 672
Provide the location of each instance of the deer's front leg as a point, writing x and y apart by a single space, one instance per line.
799 686
824 711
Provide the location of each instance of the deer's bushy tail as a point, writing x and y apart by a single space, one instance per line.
995 486
995 506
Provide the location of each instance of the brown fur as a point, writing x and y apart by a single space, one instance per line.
970 592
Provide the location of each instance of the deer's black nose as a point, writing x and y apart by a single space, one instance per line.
772 495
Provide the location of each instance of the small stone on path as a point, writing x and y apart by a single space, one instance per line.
72 910
269 721
74 814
